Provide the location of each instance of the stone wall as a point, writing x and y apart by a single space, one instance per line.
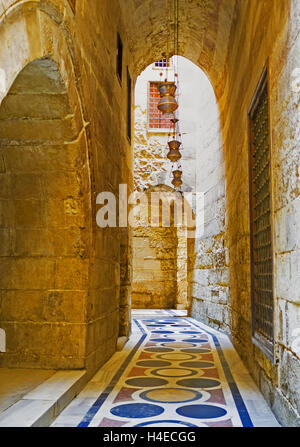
154 254
265 33
160 255
60 273
154 284
44 240
208 254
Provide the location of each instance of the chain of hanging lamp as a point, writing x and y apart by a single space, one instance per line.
175 142
168 103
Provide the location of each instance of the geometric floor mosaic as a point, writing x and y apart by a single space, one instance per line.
175 375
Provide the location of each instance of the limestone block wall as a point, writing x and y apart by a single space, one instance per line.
44 242
104 102
155 251
269 35
154 284
60 273
208 254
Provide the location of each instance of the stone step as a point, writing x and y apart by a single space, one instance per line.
41 406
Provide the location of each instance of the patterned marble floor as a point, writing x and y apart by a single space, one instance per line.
173 372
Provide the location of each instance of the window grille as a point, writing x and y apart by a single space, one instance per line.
162 63
261 222
156 119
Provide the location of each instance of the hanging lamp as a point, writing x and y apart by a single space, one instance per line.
174 144
167 102
177 174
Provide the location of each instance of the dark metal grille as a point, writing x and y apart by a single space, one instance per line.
156 119
162 63
261 224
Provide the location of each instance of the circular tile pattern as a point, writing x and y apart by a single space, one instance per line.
158 323
166 340
173 372
153 363
158 349
170 395
168 321
196 351
201 411
197 364
141 382
196 340
176 356
199 383
162 332
189 332
137 410
166 423
180 345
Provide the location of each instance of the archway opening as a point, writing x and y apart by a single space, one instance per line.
205 259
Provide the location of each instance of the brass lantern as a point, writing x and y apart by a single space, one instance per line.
177 173
177 182
174 153
174 142
167 89
167 102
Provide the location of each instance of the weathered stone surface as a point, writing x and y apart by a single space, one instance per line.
154 282
83 144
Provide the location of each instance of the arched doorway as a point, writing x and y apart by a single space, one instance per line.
205 259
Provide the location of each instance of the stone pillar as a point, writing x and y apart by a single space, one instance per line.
182 269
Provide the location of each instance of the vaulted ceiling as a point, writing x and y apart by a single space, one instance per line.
204 31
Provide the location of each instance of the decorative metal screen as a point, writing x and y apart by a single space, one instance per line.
261 224
162 63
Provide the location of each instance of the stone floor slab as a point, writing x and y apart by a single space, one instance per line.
173 372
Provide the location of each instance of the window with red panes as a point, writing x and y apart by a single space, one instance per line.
156 119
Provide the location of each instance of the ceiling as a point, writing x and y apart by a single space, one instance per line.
204 31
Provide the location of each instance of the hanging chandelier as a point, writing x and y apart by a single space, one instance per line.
168 103
174 143
177 174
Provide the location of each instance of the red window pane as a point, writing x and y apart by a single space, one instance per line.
156 119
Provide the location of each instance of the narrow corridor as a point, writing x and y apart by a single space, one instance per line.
173 372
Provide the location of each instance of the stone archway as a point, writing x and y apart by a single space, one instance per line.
44 240
203 173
